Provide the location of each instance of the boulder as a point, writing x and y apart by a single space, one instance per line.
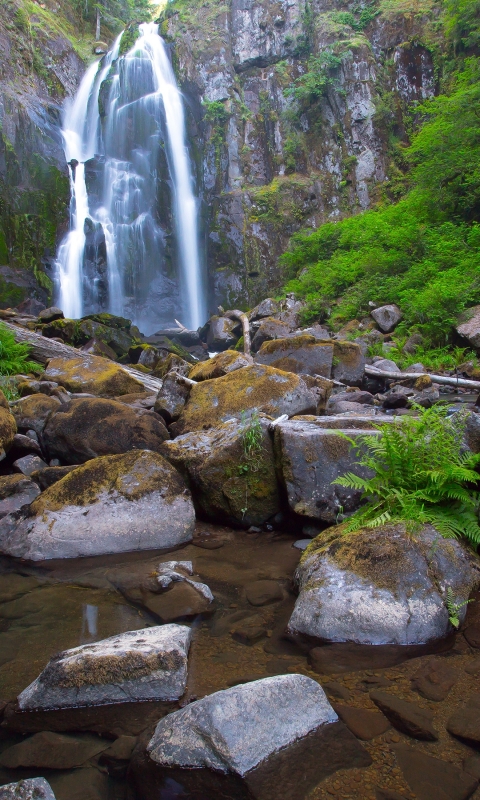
407 717
268 329
256 388
229 483
8 427
49 475
50 314
24 445
171 398
16 491
310 458
299 354
28 464
219 365
266 308
387 317
348 363
321 389
149 357
95 347
469 326
381 586
221 333
169 363
431 778
465 721
29 789
149 664
93 427
93 375
233 742
112 504
386 365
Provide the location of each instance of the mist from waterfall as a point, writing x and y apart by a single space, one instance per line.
132 248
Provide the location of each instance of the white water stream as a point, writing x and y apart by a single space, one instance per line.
135 192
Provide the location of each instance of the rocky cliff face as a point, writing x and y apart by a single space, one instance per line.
39 67
297 110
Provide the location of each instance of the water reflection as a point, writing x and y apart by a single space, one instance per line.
89 623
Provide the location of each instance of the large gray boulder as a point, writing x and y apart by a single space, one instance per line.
469 326
299 354
237 739
149 664
16 491
29 789
382 586
310 458
387 317
113 504
229 482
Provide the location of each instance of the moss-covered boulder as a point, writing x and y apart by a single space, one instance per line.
172 397
171 363
300 354
231 482
93 375
268 329
114 504
86 429
222 333
8 427
382 586
348 363
255 388
31 412
219 365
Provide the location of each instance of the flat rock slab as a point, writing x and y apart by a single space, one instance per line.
149 664
310 458
364 724
48 750
432 779
263 592
181 601
112 504
434 680
405 716
272 738
30 789
465 721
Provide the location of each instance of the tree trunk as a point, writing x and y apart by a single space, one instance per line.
245 327
97 29
445 380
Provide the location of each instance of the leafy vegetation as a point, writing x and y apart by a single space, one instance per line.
14 356
421 475
453 608
424 251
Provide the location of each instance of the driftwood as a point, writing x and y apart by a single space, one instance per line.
245 327
43 349
446 380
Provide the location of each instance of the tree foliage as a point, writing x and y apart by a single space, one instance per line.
420 474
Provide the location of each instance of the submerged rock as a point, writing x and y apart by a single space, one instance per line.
112 504
229 482
86 429
256 388
149 664
49 750
310 458
29 789
382 586
232 742
92 374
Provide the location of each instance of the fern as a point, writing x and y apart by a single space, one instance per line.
14 355
421 475
453 608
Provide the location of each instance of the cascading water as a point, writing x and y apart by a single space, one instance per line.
133 208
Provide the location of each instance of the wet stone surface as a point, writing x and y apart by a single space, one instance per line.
53 606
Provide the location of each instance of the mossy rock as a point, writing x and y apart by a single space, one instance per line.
172 363
240 393
32 412
219 365
300 354
93 375
113 504
8 426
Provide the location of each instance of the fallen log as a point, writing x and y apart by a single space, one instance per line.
245 328
43 349
445 380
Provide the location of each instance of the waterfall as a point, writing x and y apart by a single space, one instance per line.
132 248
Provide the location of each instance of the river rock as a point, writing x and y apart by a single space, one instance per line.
300 354
232 742
266 308
50 314
29 789
469 326
149 664
434 680
405 716
95 347
8 427
92 375
310 458
256 388
431 778
48 750
268 329
28 464
172 397
381 586
32 412
112 504
364 724
229 484
465 721
219 365
16 491
221 333
348 363
387 317
86 429
171 363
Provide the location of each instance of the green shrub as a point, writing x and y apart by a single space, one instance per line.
420 475
14 356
